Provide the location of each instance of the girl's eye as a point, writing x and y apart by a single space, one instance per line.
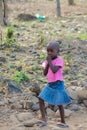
49 50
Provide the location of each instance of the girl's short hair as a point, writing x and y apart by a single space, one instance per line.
55 44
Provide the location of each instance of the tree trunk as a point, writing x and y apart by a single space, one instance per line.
58 8
3 12
71 2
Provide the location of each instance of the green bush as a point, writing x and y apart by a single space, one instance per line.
9 38
20 76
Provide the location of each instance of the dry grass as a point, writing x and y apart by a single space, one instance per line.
46 7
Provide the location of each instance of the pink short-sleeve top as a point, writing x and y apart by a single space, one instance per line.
52 77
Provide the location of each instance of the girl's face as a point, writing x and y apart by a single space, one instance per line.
52 51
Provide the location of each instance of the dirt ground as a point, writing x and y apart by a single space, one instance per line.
46 7
77 121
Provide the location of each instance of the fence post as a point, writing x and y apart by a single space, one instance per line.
58 8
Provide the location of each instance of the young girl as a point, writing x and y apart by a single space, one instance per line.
54 93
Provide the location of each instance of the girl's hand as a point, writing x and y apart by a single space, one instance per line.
49 59
43 65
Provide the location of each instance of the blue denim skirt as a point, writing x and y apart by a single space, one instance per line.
55 94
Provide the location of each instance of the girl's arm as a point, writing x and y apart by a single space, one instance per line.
53 68
46 69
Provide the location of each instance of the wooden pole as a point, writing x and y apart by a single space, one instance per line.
58 8
0 35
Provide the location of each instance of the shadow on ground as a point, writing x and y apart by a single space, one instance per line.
26 17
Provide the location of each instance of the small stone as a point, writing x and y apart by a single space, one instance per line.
2 103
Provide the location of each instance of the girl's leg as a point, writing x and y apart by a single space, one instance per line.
61 110
42 109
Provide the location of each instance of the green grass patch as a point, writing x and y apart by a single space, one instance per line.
82 36
68 57
9 38
42 56
20 76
